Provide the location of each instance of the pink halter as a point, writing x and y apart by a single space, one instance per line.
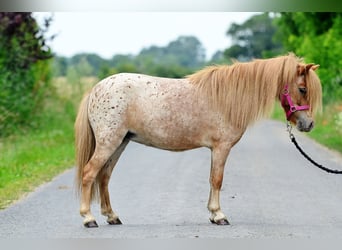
293 108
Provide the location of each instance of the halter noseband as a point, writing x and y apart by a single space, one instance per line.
293 108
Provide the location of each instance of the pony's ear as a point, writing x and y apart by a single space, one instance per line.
308 67
315 67
304 68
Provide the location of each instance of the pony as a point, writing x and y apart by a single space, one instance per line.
211 108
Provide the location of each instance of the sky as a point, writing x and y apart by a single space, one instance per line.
110 33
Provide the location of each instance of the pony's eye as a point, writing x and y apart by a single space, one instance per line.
302 91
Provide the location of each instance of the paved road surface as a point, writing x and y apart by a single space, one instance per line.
269 191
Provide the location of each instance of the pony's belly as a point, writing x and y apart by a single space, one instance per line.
167 143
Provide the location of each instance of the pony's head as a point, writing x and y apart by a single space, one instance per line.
302 98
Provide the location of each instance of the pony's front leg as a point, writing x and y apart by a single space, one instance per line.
219 156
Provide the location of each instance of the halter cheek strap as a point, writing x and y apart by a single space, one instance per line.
293 108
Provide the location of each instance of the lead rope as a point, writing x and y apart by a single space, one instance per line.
293 139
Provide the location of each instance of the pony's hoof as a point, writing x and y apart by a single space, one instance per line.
116 221
91 224
220 222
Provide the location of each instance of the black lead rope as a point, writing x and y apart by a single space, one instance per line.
293 139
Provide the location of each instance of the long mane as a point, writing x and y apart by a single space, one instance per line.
245 92
314 88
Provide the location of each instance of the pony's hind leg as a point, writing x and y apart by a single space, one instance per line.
104 176
90 184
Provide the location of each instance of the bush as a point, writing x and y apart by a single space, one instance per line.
24 69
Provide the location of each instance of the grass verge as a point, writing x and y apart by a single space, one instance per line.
33 156
30 159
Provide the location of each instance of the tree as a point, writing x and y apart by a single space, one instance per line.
120 62
177 59
253 39
105 71
24 70
318 38
185 51
60 65
84 68
219 58
90 61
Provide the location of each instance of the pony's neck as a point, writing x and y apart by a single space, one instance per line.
245 92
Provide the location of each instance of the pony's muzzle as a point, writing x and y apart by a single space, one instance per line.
305 123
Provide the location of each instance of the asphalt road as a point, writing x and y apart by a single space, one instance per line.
269 191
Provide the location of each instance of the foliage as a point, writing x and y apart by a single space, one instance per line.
186 51
328 130
24 71
253 39
29 159
105 70
60 66
178 58
219 58
317 37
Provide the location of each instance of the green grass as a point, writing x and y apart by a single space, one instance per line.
328 129
36 154
31 158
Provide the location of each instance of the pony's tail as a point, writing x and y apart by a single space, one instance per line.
84 145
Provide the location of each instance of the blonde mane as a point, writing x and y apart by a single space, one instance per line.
245 92
314 94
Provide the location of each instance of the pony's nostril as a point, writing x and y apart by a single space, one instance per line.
311 125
